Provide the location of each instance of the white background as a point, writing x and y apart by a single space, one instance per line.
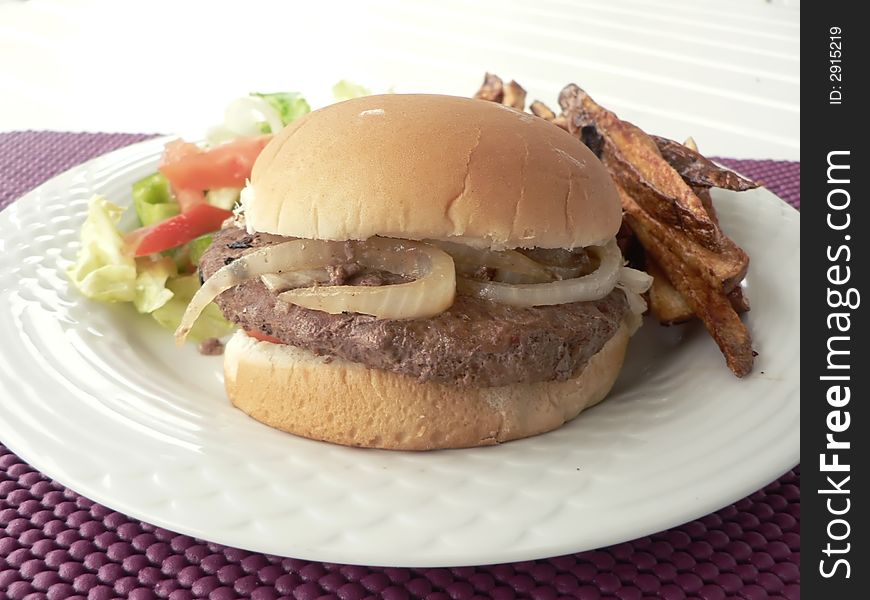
726 73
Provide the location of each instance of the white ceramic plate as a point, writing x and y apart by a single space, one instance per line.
100 399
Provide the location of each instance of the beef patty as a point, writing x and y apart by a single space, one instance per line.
473 343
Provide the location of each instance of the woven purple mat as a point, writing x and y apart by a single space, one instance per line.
56 544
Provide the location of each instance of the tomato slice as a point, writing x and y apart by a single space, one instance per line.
227 165
263 337
177 230
177 150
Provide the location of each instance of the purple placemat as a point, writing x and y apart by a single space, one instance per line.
56 544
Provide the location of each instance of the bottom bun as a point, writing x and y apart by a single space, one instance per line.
347 403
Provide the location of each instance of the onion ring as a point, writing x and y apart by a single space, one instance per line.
510 266
281 282
431 293
593 286
287 256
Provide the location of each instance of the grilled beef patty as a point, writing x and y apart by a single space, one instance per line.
473 343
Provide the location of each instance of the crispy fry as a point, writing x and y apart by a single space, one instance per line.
491 89
690 144
561 121
514 96
665 302
668 305
697 170
700 288
729 266
539 109
739 300
593 140
703 194
636 163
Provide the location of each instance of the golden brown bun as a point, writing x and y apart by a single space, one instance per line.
347 403
423 166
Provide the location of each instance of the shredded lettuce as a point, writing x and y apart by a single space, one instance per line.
345 90
211 322
151 292
103 270
290 106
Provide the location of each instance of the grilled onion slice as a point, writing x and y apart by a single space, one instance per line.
593 286
281 282
287 256
510 266
431 292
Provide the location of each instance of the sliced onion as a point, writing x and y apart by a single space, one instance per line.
634 280
287 256
594 286
510 266
281 282
431 293
636 303
634 283
559 257
563 264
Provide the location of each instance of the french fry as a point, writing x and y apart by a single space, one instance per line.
707 201
539 109
739 300
635 163
665 302
698 286
669 306
491 89
561 121
514 96
698 171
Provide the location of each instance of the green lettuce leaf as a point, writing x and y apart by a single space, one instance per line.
211 323
151 291
290 105
345 90
103 269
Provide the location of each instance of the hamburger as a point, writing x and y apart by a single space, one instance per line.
419 272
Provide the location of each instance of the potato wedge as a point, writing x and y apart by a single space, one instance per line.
637 165
697 170
539 109
514 96
491 89
665 302
699 287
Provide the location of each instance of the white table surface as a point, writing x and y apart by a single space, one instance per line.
726 73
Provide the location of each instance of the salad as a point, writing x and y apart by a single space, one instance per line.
179 208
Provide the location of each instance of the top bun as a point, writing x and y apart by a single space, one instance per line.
421 166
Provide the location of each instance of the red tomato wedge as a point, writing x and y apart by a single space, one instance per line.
178 230
263 337
177 150
227 165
